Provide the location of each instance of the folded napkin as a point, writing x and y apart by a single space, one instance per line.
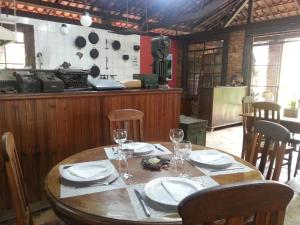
86 172
176 190
210 156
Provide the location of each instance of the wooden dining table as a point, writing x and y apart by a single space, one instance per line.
114 206
292 124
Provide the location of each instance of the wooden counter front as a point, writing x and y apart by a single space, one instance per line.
50 127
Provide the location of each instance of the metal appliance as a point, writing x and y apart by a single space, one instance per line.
8 83
74 79
103 84
49 81
160 47
27 81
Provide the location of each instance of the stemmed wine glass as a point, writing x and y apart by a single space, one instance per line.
127 152
120 136
176 136
183 149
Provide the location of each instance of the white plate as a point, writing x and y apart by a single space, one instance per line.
180 187
104 172
140 148
212 158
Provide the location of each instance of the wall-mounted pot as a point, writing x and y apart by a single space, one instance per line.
80 42
94 71
125 57
136 47
116 45
93 38
94 53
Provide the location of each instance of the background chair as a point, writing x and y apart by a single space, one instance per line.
271 111
265 200
270 140
19 198
129 119
247 107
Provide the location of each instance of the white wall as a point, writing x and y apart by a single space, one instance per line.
57 48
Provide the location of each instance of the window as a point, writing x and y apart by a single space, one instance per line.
12 55
204 65
275 66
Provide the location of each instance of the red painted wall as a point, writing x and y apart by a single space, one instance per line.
146 58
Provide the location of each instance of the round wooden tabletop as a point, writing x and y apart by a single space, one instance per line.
114 206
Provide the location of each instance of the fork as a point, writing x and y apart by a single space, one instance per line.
99 183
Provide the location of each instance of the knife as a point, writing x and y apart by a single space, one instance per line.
158 148
141 200
232 168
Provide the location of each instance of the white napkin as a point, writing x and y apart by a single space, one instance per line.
175 190
210 156
85 172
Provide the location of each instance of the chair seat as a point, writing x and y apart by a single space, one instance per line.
46 217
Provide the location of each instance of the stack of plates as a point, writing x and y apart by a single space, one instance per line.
211 158
86 173
169 191
140 148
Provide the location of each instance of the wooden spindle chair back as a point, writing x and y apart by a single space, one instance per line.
129 119
270 141
247 107
263 201
19 199
266 111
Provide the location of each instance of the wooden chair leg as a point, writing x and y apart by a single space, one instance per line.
290 160
243 149
297 163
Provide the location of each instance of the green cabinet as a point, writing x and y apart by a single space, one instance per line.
194 129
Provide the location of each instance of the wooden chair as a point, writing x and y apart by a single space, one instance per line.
271 111
19 198
129 119
247 107
263 201
270 141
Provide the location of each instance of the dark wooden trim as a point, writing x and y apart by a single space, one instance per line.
224 60
246 69
250 12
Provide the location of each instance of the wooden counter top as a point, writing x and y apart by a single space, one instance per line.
71 94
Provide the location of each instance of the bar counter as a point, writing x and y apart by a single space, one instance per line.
49 127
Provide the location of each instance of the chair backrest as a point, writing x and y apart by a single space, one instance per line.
270 140
247 107
265 200
266 111
19 199
129 119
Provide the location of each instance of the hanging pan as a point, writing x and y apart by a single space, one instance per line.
94 53
93 38
94 71
116 45
136 47
125 57
80 42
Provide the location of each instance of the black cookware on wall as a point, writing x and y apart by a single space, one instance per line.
80 42
94 71
116 45
125 57
136 47
93 38
94 53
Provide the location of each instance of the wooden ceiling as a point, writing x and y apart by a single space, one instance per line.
168 17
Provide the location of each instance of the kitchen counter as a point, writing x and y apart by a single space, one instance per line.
49 127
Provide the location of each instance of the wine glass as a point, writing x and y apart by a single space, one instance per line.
127 152
120 136
176 136
183 149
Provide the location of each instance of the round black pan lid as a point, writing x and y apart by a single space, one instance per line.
80 42
93 37
94 71
116 45
125 57
94 53
136 47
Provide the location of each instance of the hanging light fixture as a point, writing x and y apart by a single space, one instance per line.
86 20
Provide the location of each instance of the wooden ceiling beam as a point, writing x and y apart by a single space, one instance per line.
57 6
238 9
201 13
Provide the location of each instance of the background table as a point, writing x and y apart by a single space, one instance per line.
114 207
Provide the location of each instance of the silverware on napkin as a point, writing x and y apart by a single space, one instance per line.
158 148
101 183
141 200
